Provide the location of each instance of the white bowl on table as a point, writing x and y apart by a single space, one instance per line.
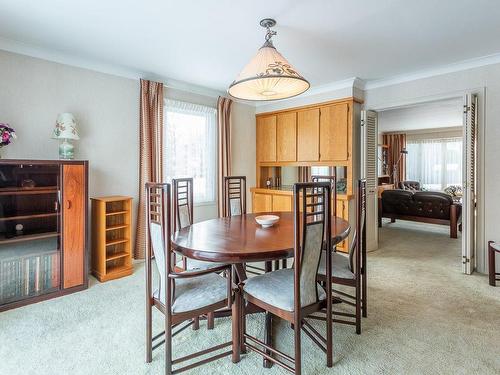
267 221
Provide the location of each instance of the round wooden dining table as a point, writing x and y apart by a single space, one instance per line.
239 239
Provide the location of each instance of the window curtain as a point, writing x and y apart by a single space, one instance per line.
223 149
150 153
435 163
396 143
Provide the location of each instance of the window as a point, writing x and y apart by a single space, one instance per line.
189 147
436 163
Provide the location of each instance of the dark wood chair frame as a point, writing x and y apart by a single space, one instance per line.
158 208
491 264
235 187
316 207
182 192
357 255
183 196
333 184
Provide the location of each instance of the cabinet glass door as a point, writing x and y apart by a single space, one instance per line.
29 231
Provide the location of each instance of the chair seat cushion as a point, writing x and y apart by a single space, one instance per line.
340 266
196 292
276 289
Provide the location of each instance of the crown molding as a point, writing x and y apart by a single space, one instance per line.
32 50
59 57
437 71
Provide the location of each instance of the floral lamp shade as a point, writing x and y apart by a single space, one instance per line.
268 76
65 127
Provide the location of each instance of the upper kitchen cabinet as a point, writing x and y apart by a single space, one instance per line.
334 132
266 138
308 135
286 137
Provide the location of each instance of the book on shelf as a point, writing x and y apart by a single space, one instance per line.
27 276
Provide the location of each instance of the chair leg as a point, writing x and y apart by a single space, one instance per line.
364 299
168 345
358 306
329 328
298 359
196 323
243 322
491 265
236 316
149 333
210 320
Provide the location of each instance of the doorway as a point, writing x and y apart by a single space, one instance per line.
438 153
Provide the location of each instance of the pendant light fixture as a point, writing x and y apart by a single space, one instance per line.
268 76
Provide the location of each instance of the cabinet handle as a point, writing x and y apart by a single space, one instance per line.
68 204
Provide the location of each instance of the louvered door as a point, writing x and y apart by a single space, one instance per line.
469 184
369 171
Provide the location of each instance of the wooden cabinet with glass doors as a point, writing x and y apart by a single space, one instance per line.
43 230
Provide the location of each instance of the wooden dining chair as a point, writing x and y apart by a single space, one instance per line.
294 293
183 217
350 270
235 198
235 195
333 184
181 296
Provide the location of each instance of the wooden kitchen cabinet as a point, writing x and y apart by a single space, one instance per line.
334 132
282 203
308 135
286 137
262 202
266 138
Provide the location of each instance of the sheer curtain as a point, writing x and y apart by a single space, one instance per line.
189 146
436 163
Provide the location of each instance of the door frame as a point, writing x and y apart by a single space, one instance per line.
481 248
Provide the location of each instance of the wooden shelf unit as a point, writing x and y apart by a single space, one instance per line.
111 237
47 256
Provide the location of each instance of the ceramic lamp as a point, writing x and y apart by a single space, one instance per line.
65 130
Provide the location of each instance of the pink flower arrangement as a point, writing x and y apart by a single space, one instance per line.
7 134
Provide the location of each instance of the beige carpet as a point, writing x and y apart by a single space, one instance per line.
425 317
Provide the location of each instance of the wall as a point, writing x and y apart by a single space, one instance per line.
34 91
440 114
486 81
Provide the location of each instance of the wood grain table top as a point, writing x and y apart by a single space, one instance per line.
240 239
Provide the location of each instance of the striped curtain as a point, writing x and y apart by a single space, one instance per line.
150 153
223 149
396 143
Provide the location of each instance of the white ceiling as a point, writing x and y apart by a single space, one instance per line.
432 115
207 43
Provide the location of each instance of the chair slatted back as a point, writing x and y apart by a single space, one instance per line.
333 186
312 213
158 206
183 202
235 195
357 251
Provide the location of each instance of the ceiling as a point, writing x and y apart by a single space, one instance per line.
432 115
207 43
